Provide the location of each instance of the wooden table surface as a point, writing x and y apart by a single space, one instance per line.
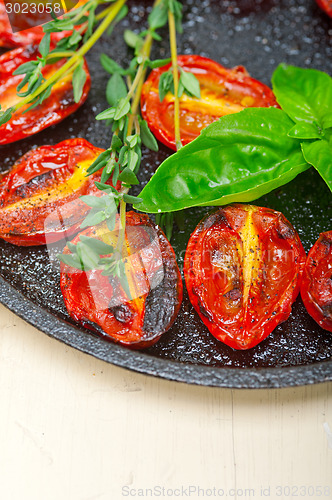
75 428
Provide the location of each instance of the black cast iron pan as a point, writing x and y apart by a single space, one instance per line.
258 34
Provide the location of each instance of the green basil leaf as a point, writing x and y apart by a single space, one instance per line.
79 79
116 89
147 136
190 84
304 94
236 159
303 130
319 154
110 65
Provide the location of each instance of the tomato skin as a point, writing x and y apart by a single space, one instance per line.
99 302
316 288
44 183
54 109
326 5
223 91
27 36
242 268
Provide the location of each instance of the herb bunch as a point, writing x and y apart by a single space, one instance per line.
87 28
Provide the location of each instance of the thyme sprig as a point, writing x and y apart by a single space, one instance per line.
121 161
34 88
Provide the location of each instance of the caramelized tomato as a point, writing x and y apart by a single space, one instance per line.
25 36
39 196
223 91
101 304
326 5
316 288
55 108
242 269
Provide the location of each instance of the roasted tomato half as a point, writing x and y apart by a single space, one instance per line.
223 91
325 5
101 303
55 108
316 288
242 269
27 36
39 196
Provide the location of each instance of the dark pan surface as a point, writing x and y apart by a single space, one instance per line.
259 35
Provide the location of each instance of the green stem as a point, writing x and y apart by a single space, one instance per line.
77 56
174 56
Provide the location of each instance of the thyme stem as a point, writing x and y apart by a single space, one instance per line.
174 56
77 56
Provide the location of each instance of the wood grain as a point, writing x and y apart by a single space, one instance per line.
75 428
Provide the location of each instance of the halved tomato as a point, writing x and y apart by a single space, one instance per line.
29 36
55 108
101 303
242 268
316 288
326 5
39 196
223 91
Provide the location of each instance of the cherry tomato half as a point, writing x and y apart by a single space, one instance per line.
39 196
101 303
326 5
223 91
242 269
55 108
316 288
29 36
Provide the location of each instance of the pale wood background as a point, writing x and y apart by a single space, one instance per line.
75 428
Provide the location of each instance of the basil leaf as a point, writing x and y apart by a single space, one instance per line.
238 158
304 94
319 154
79 79
116 89
303 130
